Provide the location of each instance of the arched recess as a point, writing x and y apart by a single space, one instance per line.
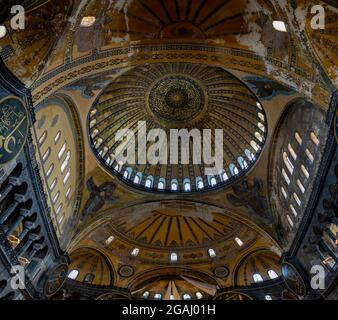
296 153
257 266
60 154
179 283
90 263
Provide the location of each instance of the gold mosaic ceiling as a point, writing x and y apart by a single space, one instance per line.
178 95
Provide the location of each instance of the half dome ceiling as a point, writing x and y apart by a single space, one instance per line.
176 96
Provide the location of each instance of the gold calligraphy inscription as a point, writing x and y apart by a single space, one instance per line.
13 128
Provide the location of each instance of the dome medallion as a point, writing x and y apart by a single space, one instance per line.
180 97
177 101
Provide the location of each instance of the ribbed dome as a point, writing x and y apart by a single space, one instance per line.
178 96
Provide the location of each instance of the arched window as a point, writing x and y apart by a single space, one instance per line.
186 296
309 155
249 155
292 152
62 151
300 186
211 253
138 178
295 196
68 192
199 183
305 172
288 163
66 178
58 210
60 219
53 184
103 152
289 220
43 138
161 184
243 164
293 210
149 182
284 193
95 133
212 181
118 166
92 123
199 295
146 295
173 257
261 126
257 277
187 186
57 137
73 274
56 197
223 175
254 145
89 278
98 142
46 155
239 241
158 296
268 297
50 171
135 252
298 138
65 162
261 116
110 240
174 185
286 177
127 173
272 274
314 138
233 169
259 137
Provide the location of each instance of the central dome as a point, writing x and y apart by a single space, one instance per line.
184 98
177 100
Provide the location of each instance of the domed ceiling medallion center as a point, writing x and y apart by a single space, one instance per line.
177 100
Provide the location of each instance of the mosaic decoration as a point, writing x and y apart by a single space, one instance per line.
173 96
248 194
99 195
126 271
14 124
177 99
113 296
221 272
267 89
293 279
232 295
55 280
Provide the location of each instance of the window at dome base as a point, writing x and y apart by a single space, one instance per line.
178 134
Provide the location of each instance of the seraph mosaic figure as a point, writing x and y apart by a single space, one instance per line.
248 195
99 196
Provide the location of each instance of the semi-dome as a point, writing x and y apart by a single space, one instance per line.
182 96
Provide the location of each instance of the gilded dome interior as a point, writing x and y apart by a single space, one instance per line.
174 96
109 195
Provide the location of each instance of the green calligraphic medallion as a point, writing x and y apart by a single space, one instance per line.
14 124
